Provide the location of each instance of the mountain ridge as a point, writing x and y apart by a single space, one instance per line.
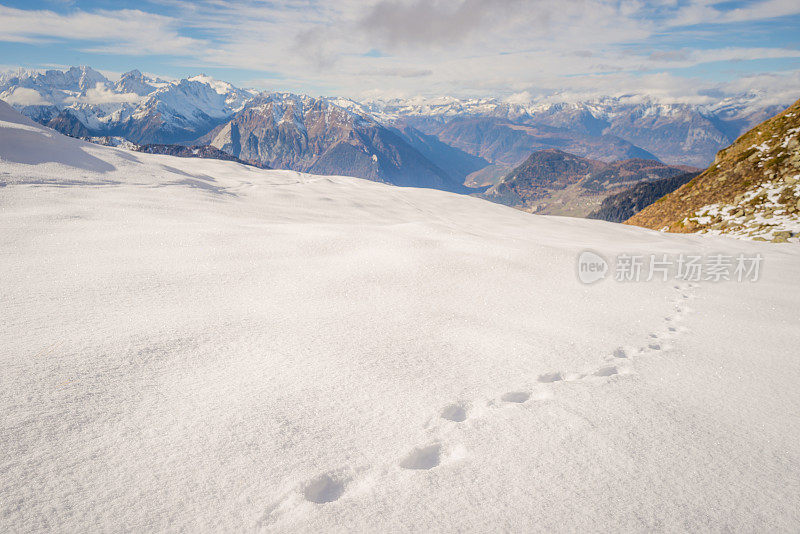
752 190
678 133
559 183
473 142
317 136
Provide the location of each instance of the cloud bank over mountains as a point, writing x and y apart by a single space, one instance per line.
694 51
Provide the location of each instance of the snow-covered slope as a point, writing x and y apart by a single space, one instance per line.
196 345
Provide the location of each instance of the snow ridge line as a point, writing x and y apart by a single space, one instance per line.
331 485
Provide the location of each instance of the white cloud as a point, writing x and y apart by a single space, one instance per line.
465 47
405 47
22 96
124 31
421 23
102 95
704 12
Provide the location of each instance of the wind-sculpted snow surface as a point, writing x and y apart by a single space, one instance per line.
24 141
199 345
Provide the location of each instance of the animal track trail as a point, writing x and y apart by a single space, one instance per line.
606 370
330 486
659 341
522 396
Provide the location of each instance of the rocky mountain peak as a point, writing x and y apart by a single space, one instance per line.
134 82
85 78
134 74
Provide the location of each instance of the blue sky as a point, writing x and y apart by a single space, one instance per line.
670 49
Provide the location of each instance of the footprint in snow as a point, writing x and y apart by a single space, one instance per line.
654 346
609 370
455 413
516 396
423 458
325 488
619 352
551 377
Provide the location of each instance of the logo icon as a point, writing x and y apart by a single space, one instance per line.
591 267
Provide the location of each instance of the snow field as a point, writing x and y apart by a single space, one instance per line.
200 345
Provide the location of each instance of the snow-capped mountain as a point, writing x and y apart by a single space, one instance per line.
674 132
134 82
319 135
282 130
506 143
467 141
138 107
182 111
53 86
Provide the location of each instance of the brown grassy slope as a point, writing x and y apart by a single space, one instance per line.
736 170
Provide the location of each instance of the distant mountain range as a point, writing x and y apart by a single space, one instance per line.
280 130
136 107
442 143
318 136
752 190
558 183
506 144
606 129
